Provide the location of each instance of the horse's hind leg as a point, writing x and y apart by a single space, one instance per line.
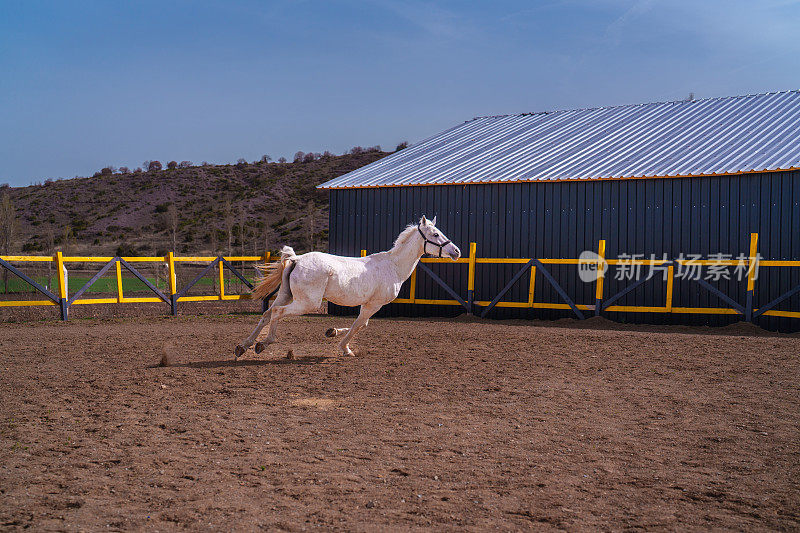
283 297
245 344
361 321
297 307
304 301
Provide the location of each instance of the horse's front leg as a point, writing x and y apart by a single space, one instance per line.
363 318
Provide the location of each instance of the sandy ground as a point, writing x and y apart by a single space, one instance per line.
437 424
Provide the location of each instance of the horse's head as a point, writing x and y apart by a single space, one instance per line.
436 242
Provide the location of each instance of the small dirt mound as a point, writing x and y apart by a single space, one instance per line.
319 403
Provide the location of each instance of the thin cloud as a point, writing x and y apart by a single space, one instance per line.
428 17
637 10
721 24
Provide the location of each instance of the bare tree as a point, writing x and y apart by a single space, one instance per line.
268 236
185 164
298 156
311 225
254 242
50 249
50 245
281 159
242 221
66 241
213 242
265 158
124 170
229 223
8 222
214 252
242 239
8 225
172 224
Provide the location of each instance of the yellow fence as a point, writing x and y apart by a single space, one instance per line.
59 296
472 260
751 263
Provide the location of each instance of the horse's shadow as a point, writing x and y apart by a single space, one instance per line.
230 363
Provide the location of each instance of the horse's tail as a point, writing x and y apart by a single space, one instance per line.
272 274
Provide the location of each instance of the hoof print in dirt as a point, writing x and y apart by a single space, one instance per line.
260 347
239 351
331 332
290 355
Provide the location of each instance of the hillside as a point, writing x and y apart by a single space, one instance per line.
240 208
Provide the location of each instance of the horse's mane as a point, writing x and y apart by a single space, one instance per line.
404 235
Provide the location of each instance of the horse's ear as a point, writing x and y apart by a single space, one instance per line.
433 222
423 221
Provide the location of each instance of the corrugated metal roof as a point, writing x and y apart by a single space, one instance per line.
731 135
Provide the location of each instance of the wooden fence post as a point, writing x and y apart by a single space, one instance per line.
221 274
62 285
471 277
670 286
119 282
531 287
412 290
598 295
751 275
173 284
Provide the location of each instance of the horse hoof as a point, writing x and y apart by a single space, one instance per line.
239 351
260 347
331 332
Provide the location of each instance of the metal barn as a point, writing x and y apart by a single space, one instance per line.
665 191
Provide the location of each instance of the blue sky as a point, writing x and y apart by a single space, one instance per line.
90 84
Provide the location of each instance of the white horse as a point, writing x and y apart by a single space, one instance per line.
370 282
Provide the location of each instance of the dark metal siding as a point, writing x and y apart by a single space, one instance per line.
560 219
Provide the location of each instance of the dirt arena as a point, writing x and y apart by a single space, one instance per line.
437 424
